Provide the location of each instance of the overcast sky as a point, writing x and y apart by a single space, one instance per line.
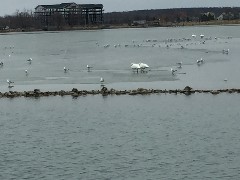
8 7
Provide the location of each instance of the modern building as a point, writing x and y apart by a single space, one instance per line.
69 14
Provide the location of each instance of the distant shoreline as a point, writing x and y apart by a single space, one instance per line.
147 25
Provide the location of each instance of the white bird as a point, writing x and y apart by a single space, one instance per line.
225 51
89 67
179 64
9 83
173 71
65 69
26 72
225 79
106 46
194 36
29 60
135 66
101 80
198 61
201 35
143 66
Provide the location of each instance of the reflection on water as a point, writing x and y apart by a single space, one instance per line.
120 137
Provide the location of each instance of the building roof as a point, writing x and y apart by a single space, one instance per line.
56 6
65 5
91 5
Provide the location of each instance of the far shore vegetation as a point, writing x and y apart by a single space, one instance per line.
26 20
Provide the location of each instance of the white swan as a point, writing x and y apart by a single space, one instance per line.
143 66
135 66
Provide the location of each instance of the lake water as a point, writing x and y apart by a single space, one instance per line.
121 137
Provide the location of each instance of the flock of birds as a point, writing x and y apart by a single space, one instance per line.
136 67
10 83
167 43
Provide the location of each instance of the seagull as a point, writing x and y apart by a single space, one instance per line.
198 61
201 60
101 80
26 72
135 66
106 46
9 83
201 35
194 36
173 71
225 79
29 60
225 51
65 69
179 64
89 67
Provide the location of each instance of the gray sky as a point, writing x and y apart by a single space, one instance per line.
9 7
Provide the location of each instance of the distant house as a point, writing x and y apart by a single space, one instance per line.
207 16
139 22
70 14
5 28
226 16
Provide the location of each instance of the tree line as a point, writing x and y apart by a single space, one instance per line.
26 19
171 15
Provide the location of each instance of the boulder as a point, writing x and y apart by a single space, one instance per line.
187 88
75 90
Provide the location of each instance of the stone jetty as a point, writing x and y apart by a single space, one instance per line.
104 91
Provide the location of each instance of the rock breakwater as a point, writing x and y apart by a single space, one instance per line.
105 92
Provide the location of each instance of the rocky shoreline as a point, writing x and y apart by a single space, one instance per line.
105 92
